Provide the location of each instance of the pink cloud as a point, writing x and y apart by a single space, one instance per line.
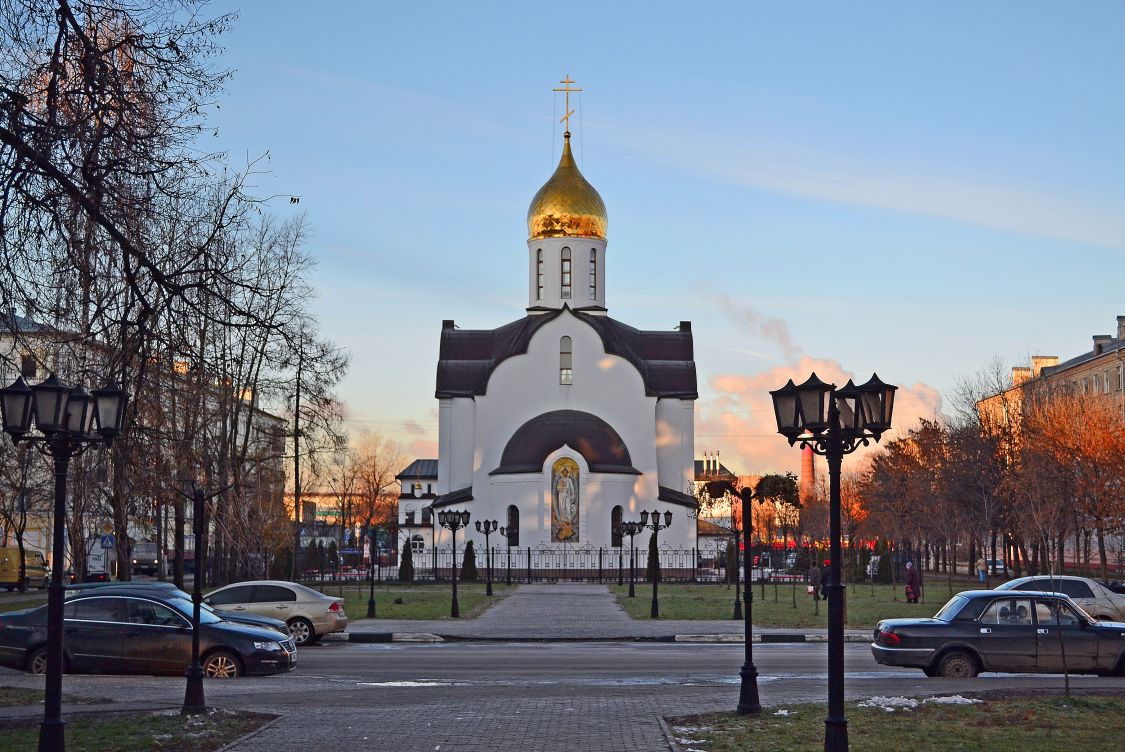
739 420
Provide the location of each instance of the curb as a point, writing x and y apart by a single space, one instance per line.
728 638
673 745
252 734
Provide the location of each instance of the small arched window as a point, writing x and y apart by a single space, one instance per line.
593 273
565 289
513 526
615 534
566 362
539 274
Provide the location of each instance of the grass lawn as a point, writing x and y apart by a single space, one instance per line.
21 603
16 696
1009 724
421 601
128 732
866 604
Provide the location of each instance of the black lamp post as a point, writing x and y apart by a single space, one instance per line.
371 542
487 527
507 533
631 529
454 521
65 417
194 701
655 527
834 422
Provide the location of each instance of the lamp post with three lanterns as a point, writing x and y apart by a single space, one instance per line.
834 422
655 527
487 527
66 418
454 521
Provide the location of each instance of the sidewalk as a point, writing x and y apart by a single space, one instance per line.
572 612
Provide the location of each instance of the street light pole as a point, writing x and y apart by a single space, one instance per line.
65 417
834 422
371 529
194 701
655 527
487 527
454 521
631 529
748 688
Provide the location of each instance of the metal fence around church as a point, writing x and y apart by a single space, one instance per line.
564 564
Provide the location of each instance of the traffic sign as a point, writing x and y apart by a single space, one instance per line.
108 541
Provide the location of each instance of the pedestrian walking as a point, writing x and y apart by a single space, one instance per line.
982 569
824 577
814 581
913 583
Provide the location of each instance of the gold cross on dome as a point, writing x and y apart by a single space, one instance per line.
566 82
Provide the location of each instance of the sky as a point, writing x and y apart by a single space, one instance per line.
914 190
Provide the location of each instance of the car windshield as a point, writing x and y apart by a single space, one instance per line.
184 606
951 609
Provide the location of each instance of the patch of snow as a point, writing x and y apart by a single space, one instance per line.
951 700
890 704
784 713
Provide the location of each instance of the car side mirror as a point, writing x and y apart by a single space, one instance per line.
207 601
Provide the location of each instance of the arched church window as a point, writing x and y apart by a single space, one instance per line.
513 526
566 362
539 274
615 533
565 291
593 273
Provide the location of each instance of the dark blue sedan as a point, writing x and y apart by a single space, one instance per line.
141 634
1010 631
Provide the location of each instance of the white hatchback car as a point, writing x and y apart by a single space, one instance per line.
1094 598
309 614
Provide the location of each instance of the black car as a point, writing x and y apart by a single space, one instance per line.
991 630
141 633
169 589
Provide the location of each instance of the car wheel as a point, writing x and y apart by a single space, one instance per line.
957 665
37 661
221 665
302 632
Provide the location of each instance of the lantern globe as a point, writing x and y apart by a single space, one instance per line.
50 397
478 525
644 517
110 402
785 410
878 400
465 518
812 403
667 518
15 406
441 516
79 412
849 409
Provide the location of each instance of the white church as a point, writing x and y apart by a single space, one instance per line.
565 422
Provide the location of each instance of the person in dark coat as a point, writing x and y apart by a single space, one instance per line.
824 577
814 581
913 583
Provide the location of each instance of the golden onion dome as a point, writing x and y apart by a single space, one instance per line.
567 206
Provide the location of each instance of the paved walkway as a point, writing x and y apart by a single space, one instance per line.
572 611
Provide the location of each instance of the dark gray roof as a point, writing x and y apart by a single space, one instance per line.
419 470
460 496
16 324
1108 347
467 357
672 496
723 470
587 434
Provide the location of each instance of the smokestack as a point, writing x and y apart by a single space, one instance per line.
718 464
1121 327
808 474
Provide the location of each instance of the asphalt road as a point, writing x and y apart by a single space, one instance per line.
521 696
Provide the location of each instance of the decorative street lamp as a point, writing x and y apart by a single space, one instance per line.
655 527
631 529
65 417
488 527
507 533
194 700
371 542
834 422
454 521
